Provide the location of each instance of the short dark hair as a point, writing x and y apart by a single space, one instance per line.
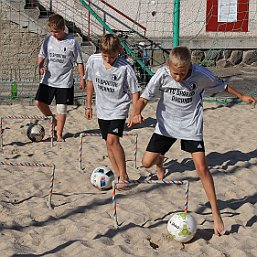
56 21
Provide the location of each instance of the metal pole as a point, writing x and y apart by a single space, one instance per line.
50 6
176 23
89 26
105 26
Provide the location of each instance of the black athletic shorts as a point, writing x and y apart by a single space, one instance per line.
46 94
114 127
161 144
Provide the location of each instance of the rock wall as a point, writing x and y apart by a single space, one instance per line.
225 58
219 58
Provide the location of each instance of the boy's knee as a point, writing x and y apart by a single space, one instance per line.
146 163
111 141
37 103
61 108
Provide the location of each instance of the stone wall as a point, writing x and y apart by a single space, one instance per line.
220 58
225 58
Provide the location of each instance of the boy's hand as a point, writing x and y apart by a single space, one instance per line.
89 113
41 71
137 119
248 99
82 84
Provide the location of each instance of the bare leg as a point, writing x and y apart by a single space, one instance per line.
112 160
208 185
159 167
150 159
44 108
61 118
117 156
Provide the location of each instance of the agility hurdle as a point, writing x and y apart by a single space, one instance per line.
99 135
51 118
150 182
35 164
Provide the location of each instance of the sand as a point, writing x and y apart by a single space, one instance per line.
81 222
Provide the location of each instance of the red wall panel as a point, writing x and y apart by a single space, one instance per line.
241 25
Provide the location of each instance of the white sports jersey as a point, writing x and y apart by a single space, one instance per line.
180 108
60 58
113 87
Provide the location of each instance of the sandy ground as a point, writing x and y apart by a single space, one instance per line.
242 78
81 222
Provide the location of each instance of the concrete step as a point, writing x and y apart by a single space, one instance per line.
27 19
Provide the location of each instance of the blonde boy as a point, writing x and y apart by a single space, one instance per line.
114 82
181 86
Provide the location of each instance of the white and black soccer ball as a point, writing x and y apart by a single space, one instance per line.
182 227
35 132
102 178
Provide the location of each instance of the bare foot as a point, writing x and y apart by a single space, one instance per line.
159 168
160 174
218 226
60 139
122 186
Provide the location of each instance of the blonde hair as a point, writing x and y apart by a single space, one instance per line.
110 44
180 56
56 21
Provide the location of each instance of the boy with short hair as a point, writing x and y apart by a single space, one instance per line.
56 59
181 86
114 82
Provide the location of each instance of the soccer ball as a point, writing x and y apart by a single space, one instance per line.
35 132
102 178
182 227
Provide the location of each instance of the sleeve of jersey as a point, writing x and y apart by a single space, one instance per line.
43 48
152 89
88 72
132 81
77 53
214 83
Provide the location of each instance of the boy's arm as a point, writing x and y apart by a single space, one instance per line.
89 97
242 97
137 117
135 98
41 67
81 71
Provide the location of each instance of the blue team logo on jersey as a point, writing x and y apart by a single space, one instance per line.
114 77
193 86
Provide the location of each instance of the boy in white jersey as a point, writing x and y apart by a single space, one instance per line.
181 86
115 84
56 59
